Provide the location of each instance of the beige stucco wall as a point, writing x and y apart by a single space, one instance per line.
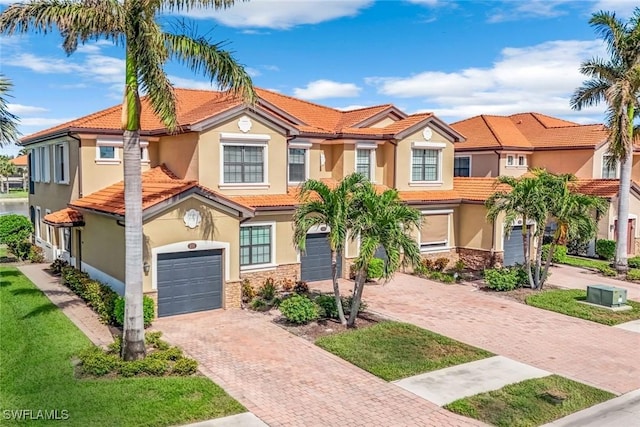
635 171
513 170
317 170
209 152
473 230
597 162
382 123
103 245
578 162
337 161
483 165
403 163
180 154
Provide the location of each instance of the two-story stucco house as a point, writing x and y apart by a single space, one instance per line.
511 145
220 194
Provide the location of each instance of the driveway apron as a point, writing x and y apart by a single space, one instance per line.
287 381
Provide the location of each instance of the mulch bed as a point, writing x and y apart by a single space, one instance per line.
323 327
519 295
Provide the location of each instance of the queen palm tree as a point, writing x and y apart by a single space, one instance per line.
528 201
381 220
133 24
322 205
6 170
8 121
616 81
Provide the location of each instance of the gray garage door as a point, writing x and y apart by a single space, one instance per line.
189 282
316 262
513 253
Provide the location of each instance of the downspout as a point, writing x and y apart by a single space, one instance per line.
395 161
70 135
498 154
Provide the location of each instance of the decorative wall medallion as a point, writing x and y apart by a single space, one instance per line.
192 218
427 134
244 124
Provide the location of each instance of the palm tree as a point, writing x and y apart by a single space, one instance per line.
8 121
616 81
322 205
381 220
574 214
6 170
528 201
134 25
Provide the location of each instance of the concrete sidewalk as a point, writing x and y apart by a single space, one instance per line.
623 411
246 419
71 304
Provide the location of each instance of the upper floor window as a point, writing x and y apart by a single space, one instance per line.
462 166
363 162
256 245
522 160
425 164
108 151
243 164
61 163
511 160
42 164
297 165
609 167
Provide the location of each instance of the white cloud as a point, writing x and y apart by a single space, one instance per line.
536 78
38 123
181 82
321 89
24 110
424 2
271 67
622 8
43 65
281 14
517 10
95 47
351 107
252 71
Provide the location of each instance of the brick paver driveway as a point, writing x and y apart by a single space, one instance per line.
595 354
287 381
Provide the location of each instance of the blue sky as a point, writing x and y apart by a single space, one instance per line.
455 58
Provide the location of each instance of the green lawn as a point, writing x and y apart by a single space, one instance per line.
577 261
37 343
3 251
566 301
393 350
523 405
15 194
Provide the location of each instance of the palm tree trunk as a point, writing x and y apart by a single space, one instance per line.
336 287
538 264
133 335
623 212
547 264
527 253
361 278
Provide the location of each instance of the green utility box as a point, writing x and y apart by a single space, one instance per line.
607 296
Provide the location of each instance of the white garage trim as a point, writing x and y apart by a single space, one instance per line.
200 245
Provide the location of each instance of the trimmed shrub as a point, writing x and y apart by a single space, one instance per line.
155 367
633 274
96 362
606 249
459 267
153 339
634 262
347 302
327 305
148 311
36 254
440 264
171 353
301 287
559 254
21 250
57 266
607 271
287 285
578 246
131 369
375 269
14 230
501 279
248 293
258 304
185 366
268 290
426 264
299 309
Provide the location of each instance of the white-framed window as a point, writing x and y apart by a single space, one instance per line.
434 230
37 221
511 160
426 165
609 167
366 160
47 229
257 245
462 166
61 163
298 162
42 164
522 160
65 239
108 151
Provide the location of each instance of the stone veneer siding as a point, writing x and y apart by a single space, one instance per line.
281 272
477 259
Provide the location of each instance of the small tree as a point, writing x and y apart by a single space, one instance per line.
14 230
6 170
381 220
322 205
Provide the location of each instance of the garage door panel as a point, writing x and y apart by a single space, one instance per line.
513 247
189 282
316 261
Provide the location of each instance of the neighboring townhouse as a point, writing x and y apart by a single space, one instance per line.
512 145
218 196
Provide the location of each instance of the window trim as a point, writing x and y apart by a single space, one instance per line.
460 157
371 147
512 162
265 161
515 161
42 164
65 165
47 228
306 146
264 266
524 160
446 245
117 144
439 147
603 165
38 221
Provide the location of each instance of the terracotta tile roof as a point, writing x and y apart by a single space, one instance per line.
607 188
268 200
477 189
64 217
527 130
195 106
20 161
429 196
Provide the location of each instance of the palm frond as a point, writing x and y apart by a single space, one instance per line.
186 5
8 121
204 57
